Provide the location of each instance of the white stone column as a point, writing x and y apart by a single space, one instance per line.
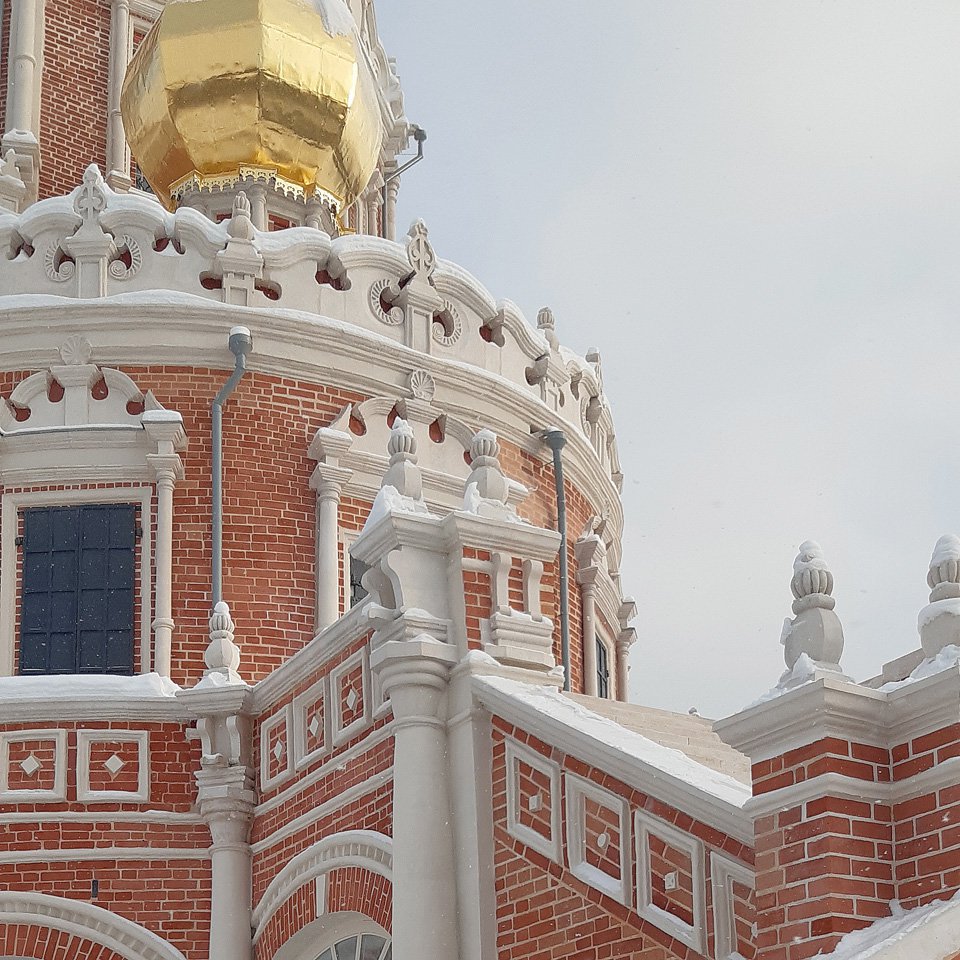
390 211
626 639
588 603
414 674
121 47
23 79
257 193
165 428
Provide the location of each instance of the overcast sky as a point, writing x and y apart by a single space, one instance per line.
753 209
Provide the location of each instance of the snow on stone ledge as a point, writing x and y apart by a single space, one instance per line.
71 687
931 932
548 701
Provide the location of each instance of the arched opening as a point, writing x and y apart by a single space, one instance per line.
367 946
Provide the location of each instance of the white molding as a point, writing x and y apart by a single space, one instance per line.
724 872
322 810
517 753
86 921
58 793
577 791
705 807
147 710
330 766
354 848
301 756
170 818
10 507
341 734
86 739
126 854
693 935
283 717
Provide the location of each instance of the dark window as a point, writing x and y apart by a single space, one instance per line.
357 592
603 671
77 591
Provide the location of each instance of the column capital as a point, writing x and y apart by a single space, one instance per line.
414 675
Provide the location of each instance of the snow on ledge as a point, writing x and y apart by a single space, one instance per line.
930 932
93 687
550 702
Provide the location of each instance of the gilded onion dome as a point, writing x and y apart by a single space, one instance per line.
220 90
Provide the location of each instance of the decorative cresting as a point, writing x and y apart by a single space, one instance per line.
226 91
86 921
939 621
813 640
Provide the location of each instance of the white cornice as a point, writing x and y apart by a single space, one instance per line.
725 817
140 710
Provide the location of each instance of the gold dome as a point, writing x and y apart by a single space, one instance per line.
221 89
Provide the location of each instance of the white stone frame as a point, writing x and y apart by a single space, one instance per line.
577 790
695 935
283 717
340 733
724 872
518 753
59 791
13 503
86 738
301 757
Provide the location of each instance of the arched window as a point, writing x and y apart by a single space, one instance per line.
370 946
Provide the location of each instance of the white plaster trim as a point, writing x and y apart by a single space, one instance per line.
283 717
333 764
724 872
57 855
517 753
324 809
688 798
147 710
13 503
341 734
86 739
301 756
58 792
85 920
114 816
577 791
320 892
355 848
693 935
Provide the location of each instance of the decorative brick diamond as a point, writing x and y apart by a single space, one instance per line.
114 765
30 765
352 698
278 750
314 727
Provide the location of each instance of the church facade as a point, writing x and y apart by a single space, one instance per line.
313 641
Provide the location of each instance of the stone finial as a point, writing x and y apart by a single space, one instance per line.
487 489
403 474
548 324
222 655
12 188
815 632
420 252
939 621
241 223
91 198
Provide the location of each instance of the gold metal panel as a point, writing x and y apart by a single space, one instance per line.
281 84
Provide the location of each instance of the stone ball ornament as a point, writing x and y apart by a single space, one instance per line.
224 91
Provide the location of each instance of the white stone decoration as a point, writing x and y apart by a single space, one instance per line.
12 188
118 269
342 730
939 621
222 655
517 754
386 291
114 765
281 721
422 386
58 792
577 791
448 317
693 935
302 755
724 872
86 739
30 765
420 251
58 267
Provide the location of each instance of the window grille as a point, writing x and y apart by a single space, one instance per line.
77 590
603 671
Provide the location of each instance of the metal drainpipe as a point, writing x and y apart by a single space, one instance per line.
420 135
240 343
556 441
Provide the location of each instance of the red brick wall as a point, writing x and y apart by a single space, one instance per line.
4 63
73 104
44 943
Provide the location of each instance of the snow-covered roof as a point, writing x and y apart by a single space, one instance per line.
930 932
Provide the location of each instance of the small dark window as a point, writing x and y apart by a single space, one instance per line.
77 613
603 671
357 592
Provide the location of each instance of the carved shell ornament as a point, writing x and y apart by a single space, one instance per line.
422 385
128 250
76 351
392 317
